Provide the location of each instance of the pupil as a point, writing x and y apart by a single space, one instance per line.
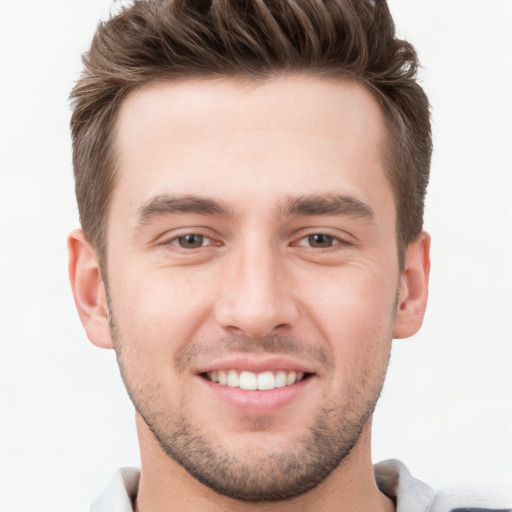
320 240
191 241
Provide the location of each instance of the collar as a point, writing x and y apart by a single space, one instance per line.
120 493
393 479
396 482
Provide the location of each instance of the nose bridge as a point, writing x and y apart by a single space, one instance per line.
255 298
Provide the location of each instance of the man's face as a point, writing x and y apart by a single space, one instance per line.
252 239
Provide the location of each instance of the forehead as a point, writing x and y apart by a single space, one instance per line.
288 136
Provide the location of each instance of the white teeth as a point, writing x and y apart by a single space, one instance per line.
290 378
266 380
232 379
280 379
248 380
255 381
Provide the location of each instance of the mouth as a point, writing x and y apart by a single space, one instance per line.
258 385
252 381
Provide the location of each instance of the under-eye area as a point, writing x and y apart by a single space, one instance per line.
263 381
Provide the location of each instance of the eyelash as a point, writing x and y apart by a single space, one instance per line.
176 241
334 241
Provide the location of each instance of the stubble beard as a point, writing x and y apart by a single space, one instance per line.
255 476
274 476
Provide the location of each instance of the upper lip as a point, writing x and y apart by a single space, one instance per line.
257 364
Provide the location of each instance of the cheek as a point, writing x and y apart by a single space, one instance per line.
158 312
354 311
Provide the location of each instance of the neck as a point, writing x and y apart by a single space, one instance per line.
165 485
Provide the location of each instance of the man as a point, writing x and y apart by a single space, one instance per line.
250 178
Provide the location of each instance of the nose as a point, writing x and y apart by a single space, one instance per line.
256 296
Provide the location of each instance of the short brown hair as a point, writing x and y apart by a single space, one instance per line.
156 40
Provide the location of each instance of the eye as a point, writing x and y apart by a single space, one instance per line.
320 240
191 241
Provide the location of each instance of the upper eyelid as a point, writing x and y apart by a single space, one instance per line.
337 234
173 234
174 239
337 239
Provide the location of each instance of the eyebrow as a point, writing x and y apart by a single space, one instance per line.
310 205
165 204
328 204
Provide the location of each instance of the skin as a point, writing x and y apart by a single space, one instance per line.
258 289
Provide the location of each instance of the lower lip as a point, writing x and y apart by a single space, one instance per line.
257 402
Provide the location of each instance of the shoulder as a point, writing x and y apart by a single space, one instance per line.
413 495
472 499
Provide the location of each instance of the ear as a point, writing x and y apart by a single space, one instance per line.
413 291
89 290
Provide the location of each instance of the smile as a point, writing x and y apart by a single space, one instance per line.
263 381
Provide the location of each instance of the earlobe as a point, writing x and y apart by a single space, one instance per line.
413 291
89 290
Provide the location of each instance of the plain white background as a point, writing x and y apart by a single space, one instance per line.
66 422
